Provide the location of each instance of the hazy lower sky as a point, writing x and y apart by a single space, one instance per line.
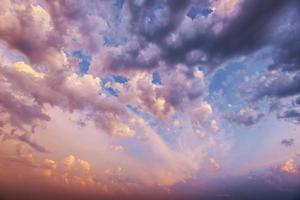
143 99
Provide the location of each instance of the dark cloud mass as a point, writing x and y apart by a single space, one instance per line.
154 20
282 79
247 31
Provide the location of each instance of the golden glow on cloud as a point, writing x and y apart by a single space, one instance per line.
69 161
289 167
226 8
86 166
22 67
214 126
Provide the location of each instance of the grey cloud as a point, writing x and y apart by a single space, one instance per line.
246 117
287 44
169 18
26 138
245 33
291 115
288 142
272 84
282 79
20 114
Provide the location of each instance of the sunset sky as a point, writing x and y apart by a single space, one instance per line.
144 99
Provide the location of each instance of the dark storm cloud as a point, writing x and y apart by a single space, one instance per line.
287 42
242 34
143 17
150 23
245 33
282 79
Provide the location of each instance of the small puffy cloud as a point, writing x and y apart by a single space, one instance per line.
289 167
201 112
86 166
246 117
69 161
121 129
51 164
288 142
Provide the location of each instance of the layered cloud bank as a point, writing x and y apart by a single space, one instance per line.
124 96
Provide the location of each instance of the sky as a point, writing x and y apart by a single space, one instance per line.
144 99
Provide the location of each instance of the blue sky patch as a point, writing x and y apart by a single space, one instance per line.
156 78
84 61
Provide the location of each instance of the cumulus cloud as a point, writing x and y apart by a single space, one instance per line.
162 100
71 93
86 166
131 40
51 164
246 116
246 29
